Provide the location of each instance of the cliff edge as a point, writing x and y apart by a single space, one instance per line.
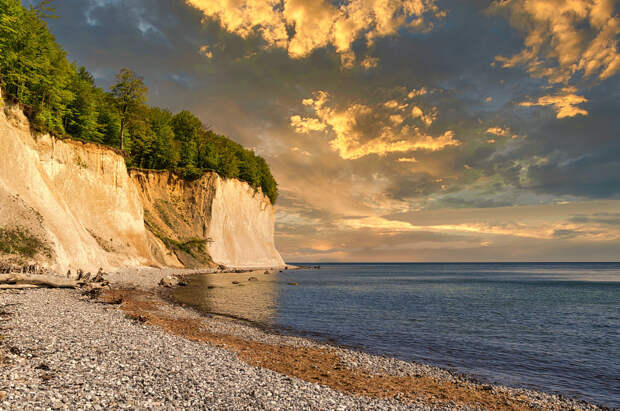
67 205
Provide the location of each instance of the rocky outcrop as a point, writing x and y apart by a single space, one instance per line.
75 199
207 221
68 205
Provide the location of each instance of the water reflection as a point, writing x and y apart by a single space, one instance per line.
254 300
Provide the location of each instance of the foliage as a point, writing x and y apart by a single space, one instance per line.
63 99
129 93
20 242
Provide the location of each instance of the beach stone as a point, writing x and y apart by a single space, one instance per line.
252 279
169 281
113 361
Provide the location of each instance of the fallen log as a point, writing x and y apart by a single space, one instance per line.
38 280
17 286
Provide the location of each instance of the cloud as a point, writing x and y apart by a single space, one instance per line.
361 130
370 63
306 125
302 26
498 131
544 231
417 92
206 51
300 151
350 148
564 37
604 219
565 103
427 119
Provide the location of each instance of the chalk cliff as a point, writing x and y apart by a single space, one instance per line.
69 205
208 220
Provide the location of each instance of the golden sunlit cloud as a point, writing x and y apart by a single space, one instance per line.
350 148
319 23
407 160
498 131
564 103
300 151
206 51
538 231
427 119
417 92
370 63
353 140
306 125
564 37
397 119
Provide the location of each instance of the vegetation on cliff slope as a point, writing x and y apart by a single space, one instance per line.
62 99
20 242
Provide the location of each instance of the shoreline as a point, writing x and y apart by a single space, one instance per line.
359 380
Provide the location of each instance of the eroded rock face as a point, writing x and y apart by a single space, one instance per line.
75 197
86 210
242 227
208 221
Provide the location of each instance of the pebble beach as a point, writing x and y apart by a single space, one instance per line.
65 350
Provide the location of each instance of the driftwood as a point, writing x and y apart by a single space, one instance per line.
37 280
17 286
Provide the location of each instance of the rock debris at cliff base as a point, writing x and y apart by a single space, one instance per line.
63 351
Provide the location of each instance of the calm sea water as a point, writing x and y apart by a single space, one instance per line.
551 327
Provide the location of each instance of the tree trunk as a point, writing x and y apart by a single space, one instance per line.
122 134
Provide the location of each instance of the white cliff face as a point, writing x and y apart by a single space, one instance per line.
90 213
242 227
80 200
235 221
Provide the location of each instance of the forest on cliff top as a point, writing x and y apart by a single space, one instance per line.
61 98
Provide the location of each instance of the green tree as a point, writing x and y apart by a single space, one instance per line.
165 151
60 98
33 68
82 119
186 126
129 94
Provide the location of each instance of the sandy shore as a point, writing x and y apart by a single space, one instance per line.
133 349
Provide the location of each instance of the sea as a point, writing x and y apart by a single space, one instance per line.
553 327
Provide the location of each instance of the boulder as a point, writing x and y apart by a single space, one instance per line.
169 281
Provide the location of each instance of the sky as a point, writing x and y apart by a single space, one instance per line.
398 130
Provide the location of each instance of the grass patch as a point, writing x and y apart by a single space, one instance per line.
21 242
162 207
194 247
81 163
